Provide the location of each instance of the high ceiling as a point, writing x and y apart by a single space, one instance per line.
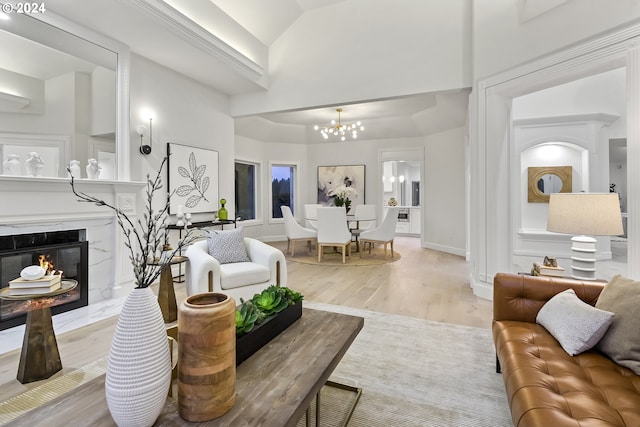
141 25
266 20
404 117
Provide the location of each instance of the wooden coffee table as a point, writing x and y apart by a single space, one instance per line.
274 387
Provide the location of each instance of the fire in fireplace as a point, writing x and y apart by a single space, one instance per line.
66 251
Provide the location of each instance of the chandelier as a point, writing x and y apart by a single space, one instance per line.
340 129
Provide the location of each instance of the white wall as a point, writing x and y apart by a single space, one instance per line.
443 204
502 39
186 113
26 87
103 101
360 49
59 110
600 93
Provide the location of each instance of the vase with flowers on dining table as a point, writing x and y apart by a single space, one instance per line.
343 195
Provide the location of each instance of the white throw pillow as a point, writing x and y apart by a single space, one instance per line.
575 324
227 246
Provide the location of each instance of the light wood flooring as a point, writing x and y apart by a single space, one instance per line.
424 284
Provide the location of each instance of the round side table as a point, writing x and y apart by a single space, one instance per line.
39 358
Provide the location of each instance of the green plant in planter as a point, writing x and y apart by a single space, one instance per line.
274 299
270 301
247 317
292 296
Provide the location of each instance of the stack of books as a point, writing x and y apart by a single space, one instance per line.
44 285
545 270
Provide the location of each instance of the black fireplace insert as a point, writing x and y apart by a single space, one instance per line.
66 250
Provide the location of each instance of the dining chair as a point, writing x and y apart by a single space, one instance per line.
365 216
311 215
295 232
384 233
333 230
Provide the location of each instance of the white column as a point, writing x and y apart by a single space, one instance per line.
633 158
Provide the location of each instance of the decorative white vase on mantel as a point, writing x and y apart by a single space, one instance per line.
139 366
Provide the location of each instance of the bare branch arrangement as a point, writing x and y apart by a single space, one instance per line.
145 236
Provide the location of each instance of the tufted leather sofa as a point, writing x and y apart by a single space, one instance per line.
545 386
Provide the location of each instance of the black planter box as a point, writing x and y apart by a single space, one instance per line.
253 341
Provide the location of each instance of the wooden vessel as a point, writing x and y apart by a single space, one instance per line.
206 356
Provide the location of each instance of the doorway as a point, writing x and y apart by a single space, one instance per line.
402 172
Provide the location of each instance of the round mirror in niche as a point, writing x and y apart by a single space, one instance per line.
545 180
549 183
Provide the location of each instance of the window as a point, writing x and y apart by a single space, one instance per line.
282 188
246 175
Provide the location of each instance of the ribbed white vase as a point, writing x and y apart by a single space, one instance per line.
139 365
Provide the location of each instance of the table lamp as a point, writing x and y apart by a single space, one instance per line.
584 215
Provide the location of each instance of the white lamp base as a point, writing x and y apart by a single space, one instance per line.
583 259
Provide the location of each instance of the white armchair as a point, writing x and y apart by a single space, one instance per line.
240 279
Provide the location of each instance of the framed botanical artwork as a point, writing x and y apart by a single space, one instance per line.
332 177
193 178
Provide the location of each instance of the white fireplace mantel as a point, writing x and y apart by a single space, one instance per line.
33 199
32 204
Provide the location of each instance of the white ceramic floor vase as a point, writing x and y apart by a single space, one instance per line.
139 366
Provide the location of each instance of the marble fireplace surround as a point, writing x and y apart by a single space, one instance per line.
32 205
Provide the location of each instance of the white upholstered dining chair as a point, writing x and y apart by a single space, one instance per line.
384 233
333 230
295 232
365 216
311 215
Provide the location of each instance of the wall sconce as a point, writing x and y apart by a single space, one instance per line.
141 129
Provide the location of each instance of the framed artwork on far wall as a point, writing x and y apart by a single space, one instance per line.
331 177
192 178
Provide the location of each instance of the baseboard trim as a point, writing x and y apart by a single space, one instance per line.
482 290
443 248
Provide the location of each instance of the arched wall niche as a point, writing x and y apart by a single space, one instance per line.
533 216
494 235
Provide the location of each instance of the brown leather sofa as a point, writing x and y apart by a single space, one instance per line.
545 386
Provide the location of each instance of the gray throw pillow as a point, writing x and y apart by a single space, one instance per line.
622 341
575 324
227 246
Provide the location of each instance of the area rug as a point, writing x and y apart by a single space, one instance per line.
416 373
356 259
